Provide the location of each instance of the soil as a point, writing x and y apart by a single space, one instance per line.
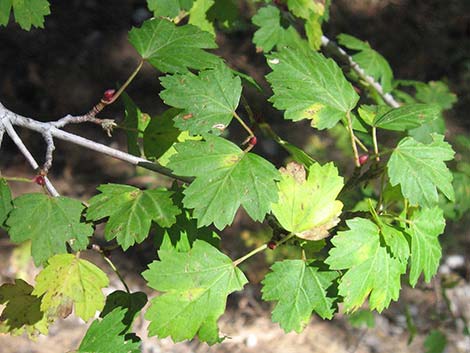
83 51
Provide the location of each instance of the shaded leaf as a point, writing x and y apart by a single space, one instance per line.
299 290
67 282
435 342
171 48
5 202
195 285
134 122
50 223
131 211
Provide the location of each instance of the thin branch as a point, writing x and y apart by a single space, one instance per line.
29 157
387 97
50 147
353 140
10 118
2 131
376 146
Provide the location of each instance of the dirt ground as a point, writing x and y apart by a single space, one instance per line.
83 51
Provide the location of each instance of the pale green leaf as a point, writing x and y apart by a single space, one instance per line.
28 13
420 170
195 286
308 207
299 289
425 227
131 211
370 270
305 8
198 15
50 223
308 86
168 8
104 336
226 177
67 282
407 117
314 31
208 100
22 311
171 48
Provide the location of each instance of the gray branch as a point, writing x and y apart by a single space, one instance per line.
387 97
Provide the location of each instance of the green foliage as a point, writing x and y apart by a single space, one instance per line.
226 177
22 311
135 122
308 207
5 201
308 86
131 211
369 60
28 13
208 101
299 288
435 342
68 282
105 336
168 8
195 285
407 117
51 223
420 170
370 269
171 48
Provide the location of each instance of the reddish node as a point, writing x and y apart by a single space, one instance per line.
40 180
253 141
108 95
272 245
363 158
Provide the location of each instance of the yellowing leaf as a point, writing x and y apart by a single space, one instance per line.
307 206
70 282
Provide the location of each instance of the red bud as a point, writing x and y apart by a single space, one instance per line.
253 141
39 179
108 95
363 158
272 245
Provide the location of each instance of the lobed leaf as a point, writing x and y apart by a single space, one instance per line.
173 49
420 170
195 285
50 223
131 211
67 282
407 117
370 269
28 13
309 86
168 8
425 227
307 206
208 100
105 335
299 289
226 177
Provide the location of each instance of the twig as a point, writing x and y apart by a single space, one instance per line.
50 147
353 140
19 143
376 146
387 97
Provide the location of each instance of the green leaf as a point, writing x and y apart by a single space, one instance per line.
134 122
369 60
27 12
369 267
299 290
435 342
209 100
160 134
131 302
198 15
361 319
309 86
396 241
171 48
407 117
456 210
425 227
50 223
298 154
168 8
420 170
305 8
131 211
5 202
434 92
308 207
226 177
104 336
22 311
195 285
314 31
225 13
70 281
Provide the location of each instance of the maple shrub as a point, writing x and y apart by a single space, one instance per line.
350 255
